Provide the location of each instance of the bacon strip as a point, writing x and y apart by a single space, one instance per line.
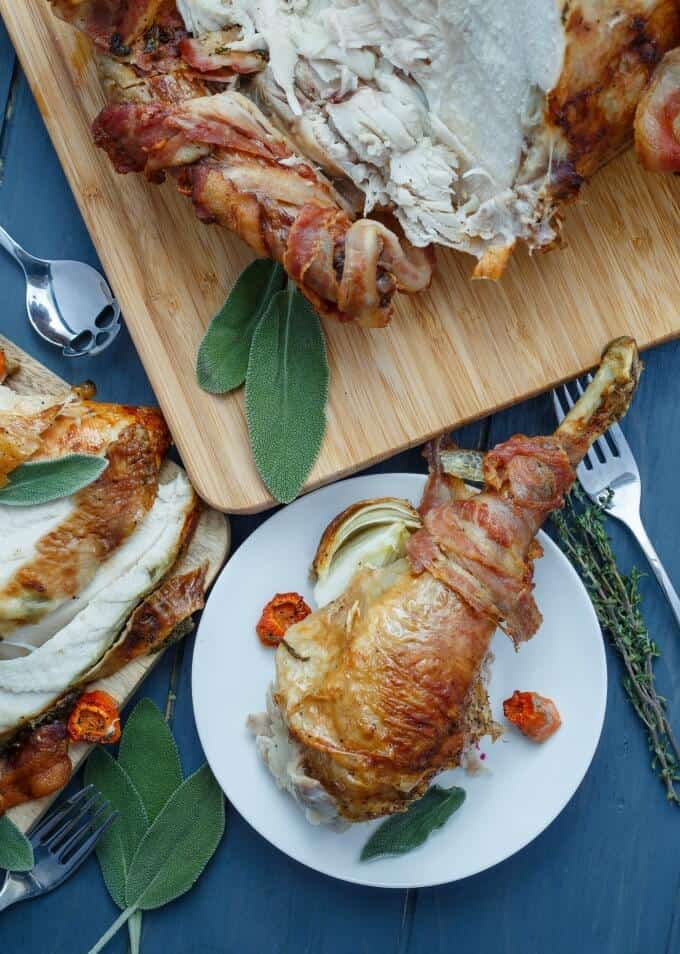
212 53
244 175
481 546
165 116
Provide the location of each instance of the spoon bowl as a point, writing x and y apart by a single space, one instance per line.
69 303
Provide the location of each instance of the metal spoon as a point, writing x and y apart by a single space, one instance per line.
69 303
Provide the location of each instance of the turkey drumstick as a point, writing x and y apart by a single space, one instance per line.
383 688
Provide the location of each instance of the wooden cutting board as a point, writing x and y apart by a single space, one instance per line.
455 353
31 377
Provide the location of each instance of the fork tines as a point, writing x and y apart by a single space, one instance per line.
71 831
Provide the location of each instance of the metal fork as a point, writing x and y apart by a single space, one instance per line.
60 845
617 469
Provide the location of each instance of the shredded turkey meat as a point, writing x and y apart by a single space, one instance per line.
465 123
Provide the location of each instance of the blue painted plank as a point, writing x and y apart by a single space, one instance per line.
599 879
7 64
38 209
603 877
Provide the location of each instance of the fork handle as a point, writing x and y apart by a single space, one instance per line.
636 527
13 890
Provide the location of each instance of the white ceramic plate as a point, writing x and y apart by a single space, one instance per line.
524 785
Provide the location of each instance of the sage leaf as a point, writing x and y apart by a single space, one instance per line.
135 932
117 846
41 481
286 392
149 755
16 851
179 844
400 834
223 354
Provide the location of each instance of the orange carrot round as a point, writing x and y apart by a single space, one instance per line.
281 612
95 718
535 716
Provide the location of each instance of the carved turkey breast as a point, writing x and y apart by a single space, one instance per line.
464 123
91 581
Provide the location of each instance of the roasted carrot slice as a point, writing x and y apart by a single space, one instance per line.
536 716
280 613
95 718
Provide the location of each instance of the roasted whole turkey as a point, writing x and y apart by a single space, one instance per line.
383 688
345 138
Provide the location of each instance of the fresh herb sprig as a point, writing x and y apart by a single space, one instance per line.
168 827
399 834
39 482
269 336
581 533
16 851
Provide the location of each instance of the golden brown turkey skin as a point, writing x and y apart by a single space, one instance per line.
105 513
378 687
657 118
612 50
382 708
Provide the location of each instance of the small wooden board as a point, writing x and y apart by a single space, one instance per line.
31 377
455 353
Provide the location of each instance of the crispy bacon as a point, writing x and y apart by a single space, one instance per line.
534 472
657 119
211 53
38 766
165 116
241 173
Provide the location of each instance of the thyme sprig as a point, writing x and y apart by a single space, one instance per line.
580 528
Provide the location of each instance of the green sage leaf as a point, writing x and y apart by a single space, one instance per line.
149 755
41 481
400 834
16 851
286 392
178 845
135 932
117 846
223 355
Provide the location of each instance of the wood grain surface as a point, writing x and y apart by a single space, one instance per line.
451 355
34 377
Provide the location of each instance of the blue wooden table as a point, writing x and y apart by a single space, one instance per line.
604 877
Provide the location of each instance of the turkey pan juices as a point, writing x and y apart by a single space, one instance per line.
92 576
347 138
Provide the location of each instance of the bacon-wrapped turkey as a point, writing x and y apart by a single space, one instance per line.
465 123
383 688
